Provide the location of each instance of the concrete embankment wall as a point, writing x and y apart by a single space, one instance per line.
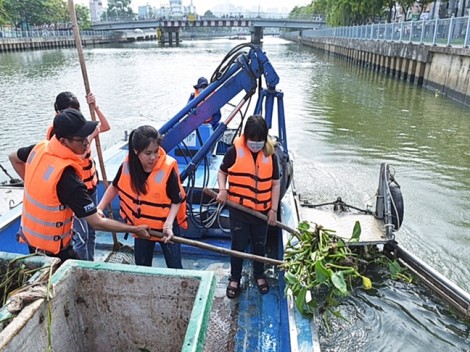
20 44
445 69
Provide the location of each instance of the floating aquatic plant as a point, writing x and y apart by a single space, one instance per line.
320 269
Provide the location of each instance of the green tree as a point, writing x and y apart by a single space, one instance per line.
83 16
24 13
3 14
349 12
422 4
119 9
405 6
307 11
208 13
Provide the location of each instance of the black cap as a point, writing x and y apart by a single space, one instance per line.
71 123
201 83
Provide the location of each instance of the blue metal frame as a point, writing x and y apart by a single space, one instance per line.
242 75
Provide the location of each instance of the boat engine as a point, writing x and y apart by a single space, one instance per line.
389 205
286 168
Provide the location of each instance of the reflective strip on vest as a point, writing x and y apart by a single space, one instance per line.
46 223
153 207
250 181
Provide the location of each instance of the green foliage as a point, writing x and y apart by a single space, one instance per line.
307 11
3 14
26 13
344 12
320 269
397 272
208 13
83 17
319 261
119 9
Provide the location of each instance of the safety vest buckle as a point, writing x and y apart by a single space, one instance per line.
59 224
62 207
56 238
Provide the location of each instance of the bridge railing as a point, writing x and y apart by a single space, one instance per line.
454 31
248 16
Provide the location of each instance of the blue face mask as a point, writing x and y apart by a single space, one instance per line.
255 147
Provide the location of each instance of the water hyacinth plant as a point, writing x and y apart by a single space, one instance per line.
319 262
320 268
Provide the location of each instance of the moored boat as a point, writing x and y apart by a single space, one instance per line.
237 37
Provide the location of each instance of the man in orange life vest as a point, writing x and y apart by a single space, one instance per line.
84 235
202 84
54 190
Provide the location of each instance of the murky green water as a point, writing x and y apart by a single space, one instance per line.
343 122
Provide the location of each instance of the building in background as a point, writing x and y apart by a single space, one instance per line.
190 10
96 10
176 7
145 12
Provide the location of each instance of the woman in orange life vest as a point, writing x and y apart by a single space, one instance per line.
150 192
202 84
252 170
84 235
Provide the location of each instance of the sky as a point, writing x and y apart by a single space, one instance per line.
202 6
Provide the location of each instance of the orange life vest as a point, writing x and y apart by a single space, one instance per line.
250 182
46 224
151 208
89 172
88 165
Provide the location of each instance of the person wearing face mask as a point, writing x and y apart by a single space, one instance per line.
150 192
202 84
251 168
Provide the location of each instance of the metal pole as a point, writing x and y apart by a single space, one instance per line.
434 37
465 44
401 31
422 34
451 30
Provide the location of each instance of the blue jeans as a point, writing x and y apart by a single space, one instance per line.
84 236
143 251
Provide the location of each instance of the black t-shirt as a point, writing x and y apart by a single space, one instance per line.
71 190
172 186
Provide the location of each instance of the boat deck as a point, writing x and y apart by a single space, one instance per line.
372 229
250 322
10 197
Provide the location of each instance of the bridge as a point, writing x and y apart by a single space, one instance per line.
166 28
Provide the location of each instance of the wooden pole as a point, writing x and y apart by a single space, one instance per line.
221 250
78 44
253 212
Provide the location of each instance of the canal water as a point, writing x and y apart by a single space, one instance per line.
342 121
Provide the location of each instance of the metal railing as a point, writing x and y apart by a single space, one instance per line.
45 33
454 31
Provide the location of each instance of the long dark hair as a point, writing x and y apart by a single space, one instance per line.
139 139
256 129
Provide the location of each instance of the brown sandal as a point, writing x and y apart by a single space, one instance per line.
232 291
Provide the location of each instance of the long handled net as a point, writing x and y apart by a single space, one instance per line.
124 255
120 254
